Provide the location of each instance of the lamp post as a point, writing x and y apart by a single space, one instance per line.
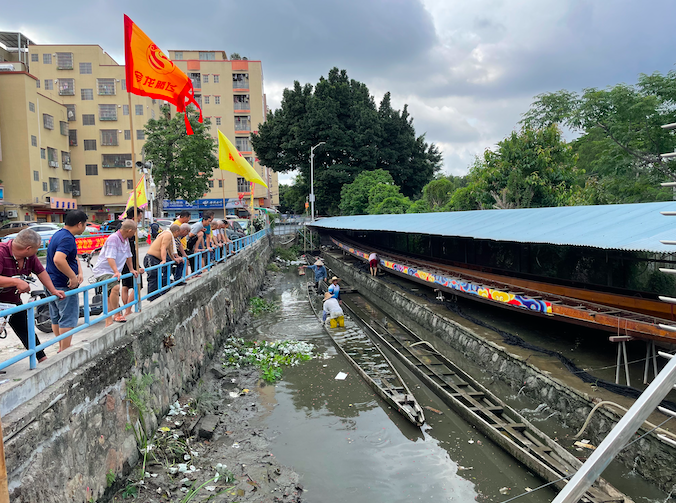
312 180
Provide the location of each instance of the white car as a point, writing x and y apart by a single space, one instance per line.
46 231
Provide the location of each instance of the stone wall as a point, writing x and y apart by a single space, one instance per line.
650 457
60 445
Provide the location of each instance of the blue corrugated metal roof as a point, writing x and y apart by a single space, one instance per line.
638 227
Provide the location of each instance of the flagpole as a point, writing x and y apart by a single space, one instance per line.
133 169
251 187
223 187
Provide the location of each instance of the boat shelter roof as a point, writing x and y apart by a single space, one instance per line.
634 227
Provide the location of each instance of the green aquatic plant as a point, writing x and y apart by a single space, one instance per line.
258 305
267 356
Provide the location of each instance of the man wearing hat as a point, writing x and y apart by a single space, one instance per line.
320 272
334 288
332 314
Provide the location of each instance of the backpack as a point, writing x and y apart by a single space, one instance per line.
154 230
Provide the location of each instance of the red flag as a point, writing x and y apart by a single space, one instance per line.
150 73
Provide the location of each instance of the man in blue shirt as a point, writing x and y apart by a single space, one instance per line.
334 288
320 272
65 270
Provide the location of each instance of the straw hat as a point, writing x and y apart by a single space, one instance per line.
334 279
319 262
327 296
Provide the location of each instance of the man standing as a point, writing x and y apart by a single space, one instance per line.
65 271
334 288
17 257
200 238
320 272
162 248
373 264
128 283
179 268
114 254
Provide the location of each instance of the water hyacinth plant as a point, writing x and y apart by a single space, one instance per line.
267 356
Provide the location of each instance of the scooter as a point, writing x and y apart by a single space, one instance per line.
43 320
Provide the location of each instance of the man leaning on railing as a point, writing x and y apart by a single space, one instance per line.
18 258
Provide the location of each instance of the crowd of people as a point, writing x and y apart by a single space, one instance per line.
118 258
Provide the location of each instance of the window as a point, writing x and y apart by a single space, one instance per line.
217 79
211 184
125 109
43 153
178 54
152 114
109 137
127 134
249 160
243 144
66 87
206 100
112 187
241 102
45 187
36 176
63 127
218 121
220 184
64 60
52 157
70 112
217 100
31 106
205 79
48 121
47 59
242 184
108 112
37 84
140 134
240 81
198 99
65 160
34 140
154 101
66 186
196 80
115 160
138 109
91 169
130 185
72 137
85 68
207 55
124 84
75 187
242 123
34 58
88 119
106 87
49 85
90 144
87 94
53 185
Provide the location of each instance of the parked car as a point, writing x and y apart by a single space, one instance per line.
46 231
14 227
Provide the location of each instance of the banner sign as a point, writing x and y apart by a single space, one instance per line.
60 203
196 205
87 244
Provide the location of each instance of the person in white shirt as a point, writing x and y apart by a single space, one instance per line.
373 263
332 311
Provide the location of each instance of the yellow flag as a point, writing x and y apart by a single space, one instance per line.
141 198
229 159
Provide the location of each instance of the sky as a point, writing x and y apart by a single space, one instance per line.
467 70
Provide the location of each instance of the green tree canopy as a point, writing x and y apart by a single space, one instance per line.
385 198
182 163
354 197
359 137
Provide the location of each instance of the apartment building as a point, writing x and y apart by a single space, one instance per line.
231 95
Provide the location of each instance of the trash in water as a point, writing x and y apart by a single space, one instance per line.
233 394
584 444
235 445
341 376
436 411
505 490
464 468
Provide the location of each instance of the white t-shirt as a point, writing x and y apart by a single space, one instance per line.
116 248
331 306
373 256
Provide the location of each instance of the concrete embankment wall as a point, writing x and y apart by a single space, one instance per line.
650 457
60 444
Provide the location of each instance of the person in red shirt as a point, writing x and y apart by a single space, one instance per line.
18 257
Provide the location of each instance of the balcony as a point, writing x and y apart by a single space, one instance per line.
67 167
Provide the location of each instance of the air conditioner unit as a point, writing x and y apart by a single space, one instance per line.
76 193
12 213
67 167
54 164
119 106
128 164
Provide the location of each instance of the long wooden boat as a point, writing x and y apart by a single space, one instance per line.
371 364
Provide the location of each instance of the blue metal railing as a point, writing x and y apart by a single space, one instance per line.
202 260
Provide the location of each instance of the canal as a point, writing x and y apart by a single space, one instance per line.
348 445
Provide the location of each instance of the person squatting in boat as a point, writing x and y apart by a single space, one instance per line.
333 315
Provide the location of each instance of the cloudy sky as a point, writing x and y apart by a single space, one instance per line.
467 70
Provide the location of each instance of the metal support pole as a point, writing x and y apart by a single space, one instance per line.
620 435
312 184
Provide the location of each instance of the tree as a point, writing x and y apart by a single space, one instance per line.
292 197
182 163
354 197
359 137
531 168
621 136
387 198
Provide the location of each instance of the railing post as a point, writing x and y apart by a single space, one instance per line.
31 337
85 305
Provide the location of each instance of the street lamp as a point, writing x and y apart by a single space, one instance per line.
312 179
